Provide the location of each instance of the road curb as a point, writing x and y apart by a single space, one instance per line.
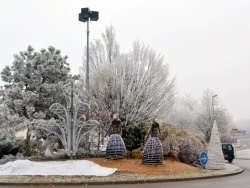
229 171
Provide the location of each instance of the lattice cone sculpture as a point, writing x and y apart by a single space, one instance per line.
215 155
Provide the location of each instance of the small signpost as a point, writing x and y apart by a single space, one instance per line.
236 132
203 158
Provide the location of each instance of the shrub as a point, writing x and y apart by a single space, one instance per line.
7 147
134 136
36 148
181 145
133 154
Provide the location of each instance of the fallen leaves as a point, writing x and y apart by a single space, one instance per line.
168 167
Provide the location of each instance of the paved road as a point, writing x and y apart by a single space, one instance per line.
241 180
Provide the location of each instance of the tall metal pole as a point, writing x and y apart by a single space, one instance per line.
86 15
71 122
87 71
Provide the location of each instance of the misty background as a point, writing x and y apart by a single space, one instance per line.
205 43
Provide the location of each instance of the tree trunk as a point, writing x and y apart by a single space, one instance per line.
26 143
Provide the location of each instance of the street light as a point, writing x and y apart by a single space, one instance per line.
84 16
213 107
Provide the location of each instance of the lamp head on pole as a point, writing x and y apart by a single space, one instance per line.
94 16
81 19
86 13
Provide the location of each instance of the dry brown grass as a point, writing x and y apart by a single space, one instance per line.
168 167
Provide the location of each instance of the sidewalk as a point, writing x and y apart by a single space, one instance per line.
118 178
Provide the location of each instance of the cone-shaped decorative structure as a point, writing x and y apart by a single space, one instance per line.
215 155
115 148
153 152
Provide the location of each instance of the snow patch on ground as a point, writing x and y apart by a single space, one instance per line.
67 168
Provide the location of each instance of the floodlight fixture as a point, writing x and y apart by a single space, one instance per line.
94 16
87 14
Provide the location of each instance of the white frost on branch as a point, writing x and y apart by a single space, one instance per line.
136 84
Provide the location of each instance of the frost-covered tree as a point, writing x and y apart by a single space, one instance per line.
225 123
197 116
183 113
8 123
33 83
135 84
209 111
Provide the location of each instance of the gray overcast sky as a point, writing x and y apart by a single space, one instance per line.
205 42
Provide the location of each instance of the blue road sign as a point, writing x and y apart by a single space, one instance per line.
203 158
